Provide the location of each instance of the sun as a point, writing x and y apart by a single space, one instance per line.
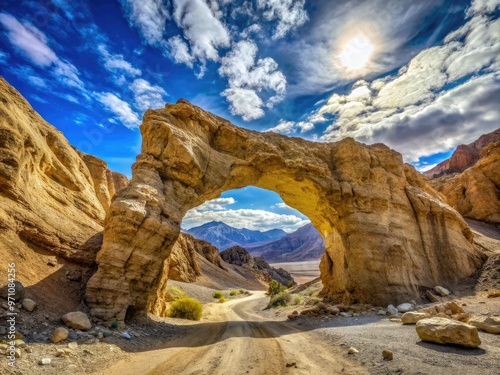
356 53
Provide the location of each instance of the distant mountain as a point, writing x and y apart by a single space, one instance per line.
465 156
224 236
304 244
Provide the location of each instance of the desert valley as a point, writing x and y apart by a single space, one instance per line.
361 236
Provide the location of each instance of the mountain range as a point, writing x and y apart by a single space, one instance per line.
274 245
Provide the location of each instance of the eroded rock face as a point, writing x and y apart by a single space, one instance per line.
386 232
475 193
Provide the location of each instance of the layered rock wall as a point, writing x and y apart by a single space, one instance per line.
385 234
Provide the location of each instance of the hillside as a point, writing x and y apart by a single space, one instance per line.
304 244
224 236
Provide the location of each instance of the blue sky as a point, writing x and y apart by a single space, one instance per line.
420 76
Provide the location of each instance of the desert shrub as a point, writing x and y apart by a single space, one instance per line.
241 291
297 299
222 299
218 294
174 292
186 308
280 299
290 284
233 292
310 292
316 300
275 288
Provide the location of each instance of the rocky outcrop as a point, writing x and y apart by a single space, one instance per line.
386 234
259 267
47 197
475 193
465 156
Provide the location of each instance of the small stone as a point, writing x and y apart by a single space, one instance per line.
405 307
441 309
18 291
59 334
18 353
28 304
126 335
28 350
100 334
77 320
20 343
381 312
413 317
432 297
455 307
292 364
73 345
352 350
387 354
440 291
45 361
392 310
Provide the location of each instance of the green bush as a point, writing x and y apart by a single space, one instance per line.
310 292
218 294
186 308
280 299
297 299
275 288
222 299
290 284
316 300
242 291
174 292
233 292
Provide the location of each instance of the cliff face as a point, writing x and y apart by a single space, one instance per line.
386 231
475 193
465 156
259 267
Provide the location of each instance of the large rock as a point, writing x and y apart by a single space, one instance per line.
59 334
447 331
475 193
77 320
489 324
412 317
386 232
18 291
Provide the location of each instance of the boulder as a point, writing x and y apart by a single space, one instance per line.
29 305
432 297
412 317
77 320
448 331
391 310
443 292
488 324
454 308
59 334
18 290
405 307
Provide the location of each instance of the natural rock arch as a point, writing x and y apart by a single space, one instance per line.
386 232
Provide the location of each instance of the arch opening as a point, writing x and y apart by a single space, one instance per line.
377 215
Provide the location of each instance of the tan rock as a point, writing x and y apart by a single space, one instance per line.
447 331
59 334
489 324
77 320
432 297
394 221
352 350
413 317
454 307
29 305
387 355
443 292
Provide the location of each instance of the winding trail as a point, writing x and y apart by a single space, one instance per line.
233 339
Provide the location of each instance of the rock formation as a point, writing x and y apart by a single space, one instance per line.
259 267
465 156
386 232
51 197
475 193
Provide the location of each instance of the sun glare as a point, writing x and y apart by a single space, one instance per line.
356 53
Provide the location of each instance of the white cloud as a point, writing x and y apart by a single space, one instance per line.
248 76
4 56
32 43
117 63
217 204
424 167
482 6
120 109
284 127
201 28
245 218
148 16
289 13
146 95
179 51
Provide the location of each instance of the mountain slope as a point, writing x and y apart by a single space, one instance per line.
304 244
465 156
224 236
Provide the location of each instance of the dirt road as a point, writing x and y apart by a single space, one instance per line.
233 339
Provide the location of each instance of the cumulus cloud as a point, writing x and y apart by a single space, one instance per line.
120 109
179 51
216 204
245 218
116 63
148 16
201 27
146 95
290 14
248 76
33 44
427 107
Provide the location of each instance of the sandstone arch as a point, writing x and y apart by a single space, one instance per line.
386 232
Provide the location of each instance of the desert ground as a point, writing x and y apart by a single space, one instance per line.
302 272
